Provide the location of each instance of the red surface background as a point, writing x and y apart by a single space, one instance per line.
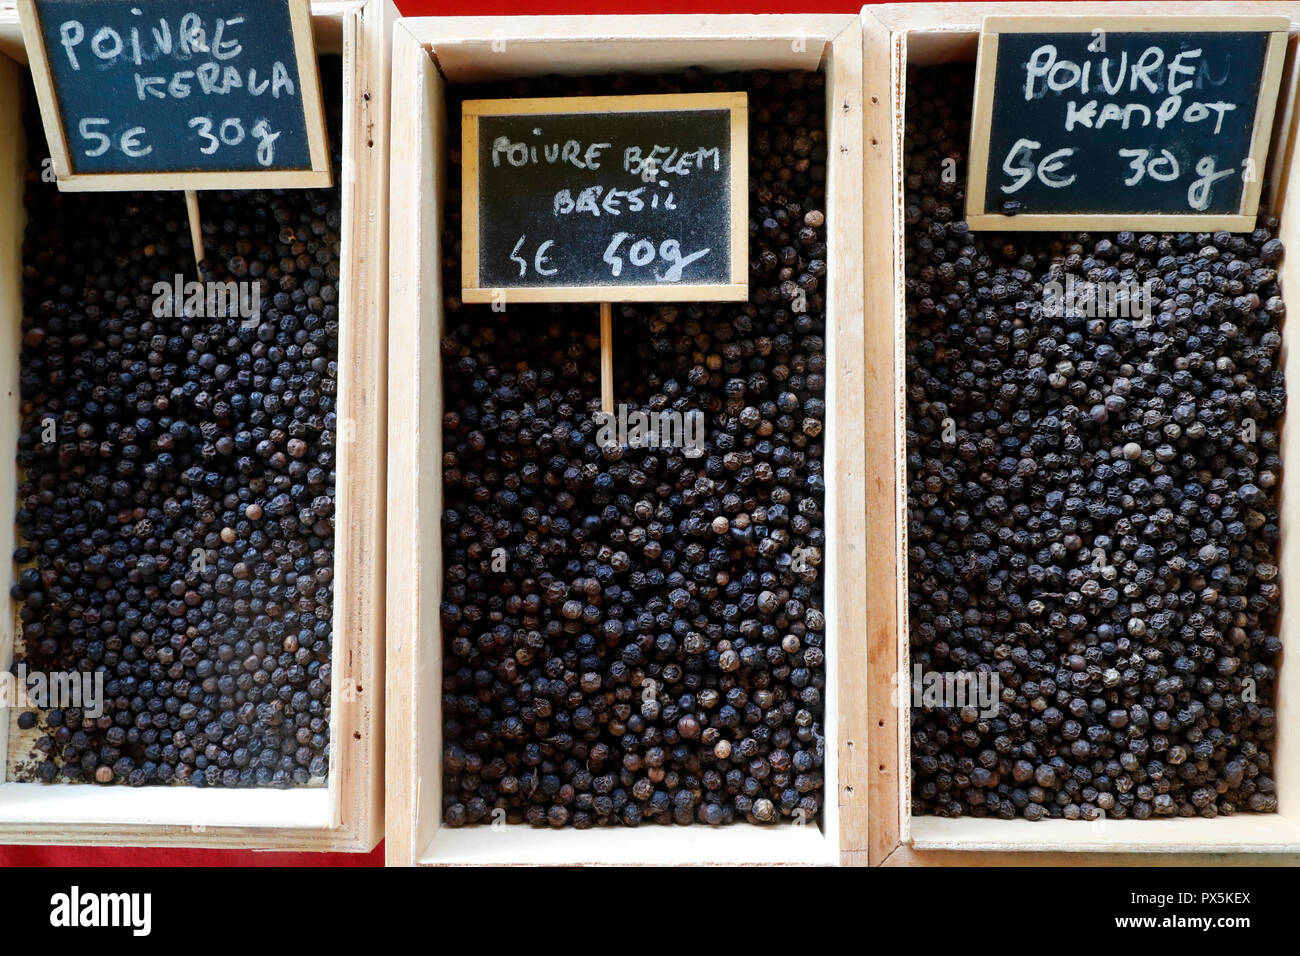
103 856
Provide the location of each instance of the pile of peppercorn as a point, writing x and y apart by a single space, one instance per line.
1092 506
653 649
176 536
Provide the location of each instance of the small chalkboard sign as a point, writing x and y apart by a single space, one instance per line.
605 199
160 94
1150 122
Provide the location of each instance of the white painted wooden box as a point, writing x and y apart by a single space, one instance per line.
920 34
346 814
428 54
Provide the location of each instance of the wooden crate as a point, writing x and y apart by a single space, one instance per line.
427 54
346 814
919 34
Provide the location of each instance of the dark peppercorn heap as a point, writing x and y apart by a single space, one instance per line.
177 536
654 649
1100 529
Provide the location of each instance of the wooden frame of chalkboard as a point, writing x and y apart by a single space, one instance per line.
978 214
318 173
345 815
735 290
926 35
430 54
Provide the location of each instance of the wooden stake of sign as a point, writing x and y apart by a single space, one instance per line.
607 358
196 228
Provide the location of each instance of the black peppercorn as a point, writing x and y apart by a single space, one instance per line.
174 526
626 629
1093 519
